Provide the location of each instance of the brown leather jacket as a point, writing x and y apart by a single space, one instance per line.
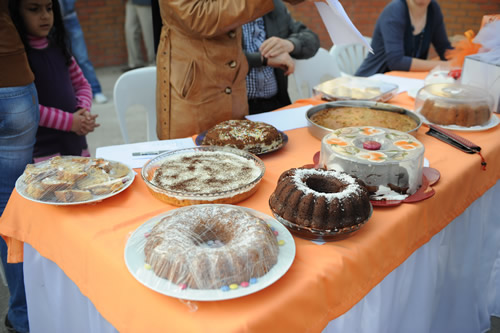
14 67
201 67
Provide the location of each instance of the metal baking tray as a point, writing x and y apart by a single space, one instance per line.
319 131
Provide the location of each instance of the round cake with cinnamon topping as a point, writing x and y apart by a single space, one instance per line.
203 175
318 199
253 136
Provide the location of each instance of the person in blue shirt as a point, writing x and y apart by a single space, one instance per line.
403 34
79 48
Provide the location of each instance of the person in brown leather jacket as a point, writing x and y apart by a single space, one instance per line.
201 67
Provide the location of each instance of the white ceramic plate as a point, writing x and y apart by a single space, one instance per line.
134 259
127 181
494 121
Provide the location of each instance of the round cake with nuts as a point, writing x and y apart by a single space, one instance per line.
253 136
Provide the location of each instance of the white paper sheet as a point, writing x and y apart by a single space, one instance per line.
404 83
144 151
283 120
339 25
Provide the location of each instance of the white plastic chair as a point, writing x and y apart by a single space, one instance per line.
136 88
349 57
311 72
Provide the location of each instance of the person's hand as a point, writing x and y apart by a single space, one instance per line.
89 123
283 61
273 46
83 122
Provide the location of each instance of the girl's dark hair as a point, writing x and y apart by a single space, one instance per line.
57 35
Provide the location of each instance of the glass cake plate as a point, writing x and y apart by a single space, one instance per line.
317 234
199 139
184 198
493 122
134 259
453 105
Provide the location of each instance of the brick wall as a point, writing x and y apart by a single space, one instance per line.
103 22
460 15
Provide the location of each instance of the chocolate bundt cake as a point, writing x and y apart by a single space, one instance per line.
210 246
326 200
253 136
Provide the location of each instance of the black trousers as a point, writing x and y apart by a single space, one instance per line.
259 105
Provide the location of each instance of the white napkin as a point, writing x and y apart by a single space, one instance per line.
144 151
283 120
404 83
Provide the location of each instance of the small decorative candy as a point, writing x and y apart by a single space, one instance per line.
146 235
183 286
281 242
253 281
244 284
147 266
224 288
275 233
233 286
372 145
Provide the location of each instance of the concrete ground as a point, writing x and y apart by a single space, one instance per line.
109 134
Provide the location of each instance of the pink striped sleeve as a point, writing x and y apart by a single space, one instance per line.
82 88
55 118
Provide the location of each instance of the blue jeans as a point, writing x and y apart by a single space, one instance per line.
19 117
79 50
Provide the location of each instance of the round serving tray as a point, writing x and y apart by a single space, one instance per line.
21 186
319 131
135 261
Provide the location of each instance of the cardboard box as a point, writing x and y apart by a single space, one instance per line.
483 70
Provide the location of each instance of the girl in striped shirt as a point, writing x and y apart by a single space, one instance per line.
64 94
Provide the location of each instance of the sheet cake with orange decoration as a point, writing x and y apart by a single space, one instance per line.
389 162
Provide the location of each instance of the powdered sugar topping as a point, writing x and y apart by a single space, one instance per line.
351 187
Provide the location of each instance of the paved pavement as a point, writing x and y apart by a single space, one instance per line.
109 134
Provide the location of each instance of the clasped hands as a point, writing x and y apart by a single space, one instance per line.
83 122
277 52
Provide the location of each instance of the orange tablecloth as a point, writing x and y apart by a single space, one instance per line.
87 242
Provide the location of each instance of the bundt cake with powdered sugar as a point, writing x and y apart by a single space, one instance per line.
320 199
210 246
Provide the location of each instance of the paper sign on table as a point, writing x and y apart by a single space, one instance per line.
339 25
283 120
135 155
404 83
